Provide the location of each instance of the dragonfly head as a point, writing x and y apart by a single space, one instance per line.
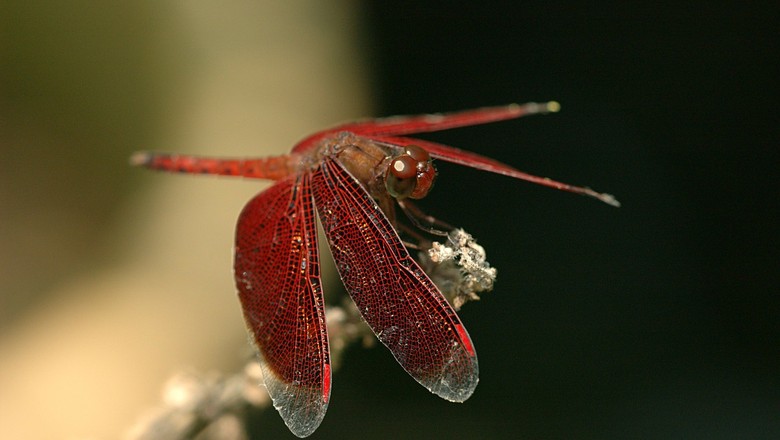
410 174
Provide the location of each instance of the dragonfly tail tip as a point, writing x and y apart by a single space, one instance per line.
140 158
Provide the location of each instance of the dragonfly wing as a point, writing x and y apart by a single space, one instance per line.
479 162
453 155
402 125
278 280
395 297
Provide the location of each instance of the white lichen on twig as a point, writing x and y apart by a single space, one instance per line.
459 268
203 406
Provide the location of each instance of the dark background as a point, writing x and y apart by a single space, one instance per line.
655 320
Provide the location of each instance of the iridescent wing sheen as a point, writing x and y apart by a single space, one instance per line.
278 280
395 297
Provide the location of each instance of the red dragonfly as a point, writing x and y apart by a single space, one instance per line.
354 174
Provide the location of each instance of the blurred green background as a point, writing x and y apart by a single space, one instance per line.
655 320
82 85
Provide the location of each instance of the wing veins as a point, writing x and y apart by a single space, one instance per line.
276 233
428 341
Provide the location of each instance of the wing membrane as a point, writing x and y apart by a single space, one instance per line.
278 280
402 125
479 162
398 301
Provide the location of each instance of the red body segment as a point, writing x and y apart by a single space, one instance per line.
271 168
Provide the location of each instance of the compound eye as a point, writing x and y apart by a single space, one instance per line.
404 167
401 177
417 153
410 174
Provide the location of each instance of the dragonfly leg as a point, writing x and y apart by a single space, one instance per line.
423 221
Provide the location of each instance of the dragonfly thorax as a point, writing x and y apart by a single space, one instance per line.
386 171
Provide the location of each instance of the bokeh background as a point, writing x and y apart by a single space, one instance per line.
655 320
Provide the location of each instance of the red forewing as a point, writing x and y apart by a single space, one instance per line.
390 131
473 160
401 125
278 280
395 297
